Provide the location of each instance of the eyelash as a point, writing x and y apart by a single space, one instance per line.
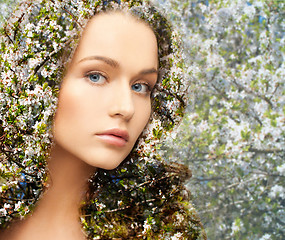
87 77
148 90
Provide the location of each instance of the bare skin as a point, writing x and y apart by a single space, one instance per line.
98 94
56 215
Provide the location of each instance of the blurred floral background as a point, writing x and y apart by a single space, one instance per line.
232 137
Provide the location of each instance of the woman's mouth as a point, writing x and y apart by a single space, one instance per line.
115 136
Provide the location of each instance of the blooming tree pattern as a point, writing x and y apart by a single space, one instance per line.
233 135
144 198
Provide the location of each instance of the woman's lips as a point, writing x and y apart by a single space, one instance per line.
116 137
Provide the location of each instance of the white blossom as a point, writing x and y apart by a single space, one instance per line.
177 236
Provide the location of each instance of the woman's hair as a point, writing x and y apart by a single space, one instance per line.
144 196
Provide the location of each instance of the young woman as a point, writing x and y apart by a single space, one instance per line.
117 67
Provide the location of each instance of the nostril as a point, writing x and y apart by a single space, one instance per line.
122 105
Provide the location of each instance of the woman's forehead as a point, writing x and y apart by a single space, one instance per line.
118 36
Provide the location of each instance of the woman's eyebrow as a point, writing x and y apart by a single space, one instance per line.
107 60
148 71
115 64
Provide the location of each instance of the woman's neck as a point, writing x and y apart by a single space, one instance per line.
57 214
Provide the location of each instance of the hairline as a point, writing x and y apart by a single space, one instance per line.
124 12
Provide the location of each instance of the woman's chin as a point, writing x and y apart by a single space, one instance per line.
106 164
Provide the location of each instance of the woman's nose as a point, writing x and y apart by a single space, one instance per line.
122 102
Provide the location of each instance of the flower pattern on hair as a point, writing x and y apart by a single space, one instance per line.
148 198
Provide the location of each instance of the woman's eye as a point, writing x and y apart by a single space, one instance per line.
141 88
96 78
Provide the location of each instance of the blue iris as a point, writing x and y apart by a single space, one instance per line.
137 87
94 77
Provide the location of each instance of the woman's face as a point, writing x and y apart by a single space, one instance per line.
104 101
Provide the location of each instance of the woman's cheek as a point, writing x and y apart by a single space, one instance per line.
70 110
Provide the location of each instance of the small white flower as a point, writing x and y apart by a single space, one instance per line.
5 208
258 4
3 212
249 11
281 169
147 225
265 237
18 205
277 190
30 34
45 73
29 26
177 236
